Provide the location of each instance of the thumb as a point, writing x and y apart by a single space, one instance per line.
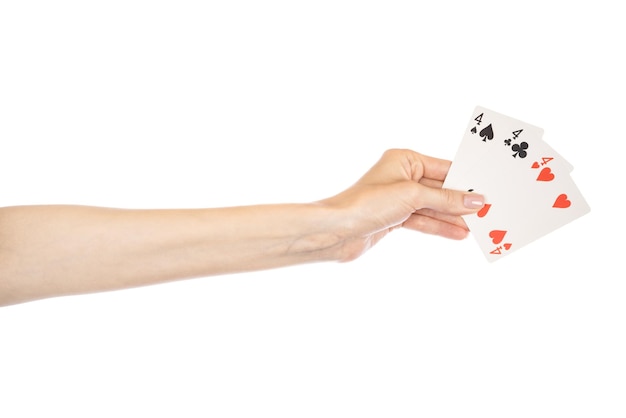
453 202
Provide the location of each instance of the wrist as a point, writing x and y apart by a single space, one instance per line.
321 234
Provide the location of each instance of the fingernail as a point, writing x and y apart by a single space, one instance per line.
473 201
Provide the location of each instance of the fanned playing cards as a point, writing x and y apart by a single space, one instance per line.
527 185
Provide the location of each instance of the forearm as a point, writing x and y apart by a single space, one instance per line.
56 250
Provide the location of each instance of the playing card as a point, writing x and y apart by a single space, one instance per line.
522 201
502 227
487 130
526 183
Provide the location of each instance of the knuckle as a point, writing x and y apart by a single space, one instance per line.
446 197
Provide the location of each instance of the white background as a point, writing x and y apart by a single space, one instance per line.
150 104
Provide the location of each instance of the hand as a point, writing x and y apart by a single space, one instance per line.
403 189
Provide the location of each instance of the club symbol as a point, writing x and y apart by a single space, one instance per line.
507 142
520 149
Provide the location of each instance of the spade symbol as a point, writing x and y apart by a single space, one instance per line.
473 130
487 133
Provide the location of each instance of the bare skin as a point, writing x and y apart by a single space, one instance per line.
48 251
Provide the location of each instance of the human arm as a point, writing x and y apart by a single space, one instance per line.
48 251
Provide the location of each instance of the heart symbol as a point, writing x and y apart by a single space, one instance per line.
535 165
497 236
507 246
482 212
545 175
562 202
